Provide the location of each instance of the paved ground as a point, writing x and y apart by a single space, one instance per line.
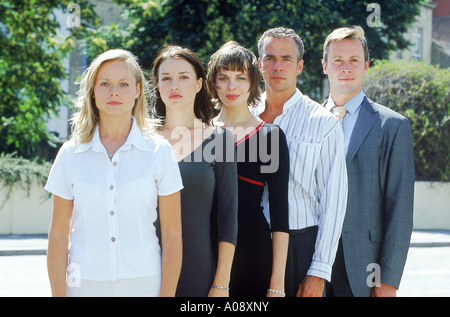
23 271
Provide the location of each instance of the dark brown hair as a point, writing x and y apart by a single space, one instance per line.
232 56
203 108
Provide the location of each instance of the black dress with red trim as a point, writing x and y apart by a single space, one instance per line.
262 161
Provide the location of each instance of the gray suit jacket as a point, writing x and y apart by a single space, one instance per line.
379 217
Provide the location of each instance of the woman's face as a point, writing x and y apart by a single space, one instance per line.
233 87
177 83
115 89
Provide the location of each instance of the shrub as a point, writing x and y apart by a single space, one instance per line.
17 171
420 92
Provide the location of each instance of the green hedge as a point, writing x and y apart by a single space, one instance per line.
421 93
17 171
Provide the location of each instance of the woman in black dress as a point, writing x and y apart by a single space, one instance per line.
209 196
263 165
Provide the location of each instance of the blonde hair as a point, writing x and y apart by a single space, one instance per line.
353 33
86 118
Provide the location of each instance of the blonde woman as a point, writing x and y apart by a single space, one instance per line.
106 183
263 164
207 164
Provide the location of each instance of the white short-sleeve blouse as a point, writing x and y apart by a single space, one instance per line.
113 234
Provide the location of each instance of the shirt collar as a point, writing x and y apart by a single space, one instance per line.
287 105
293 100
135 138
351 105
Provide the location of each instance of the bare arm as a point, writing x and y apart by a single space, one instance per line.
170 218
223 271
280 241
58 244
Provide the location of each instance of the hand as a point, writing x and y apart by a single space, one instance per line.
311 286
384 290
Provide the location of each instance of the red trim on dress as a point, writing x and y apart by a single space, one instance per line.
251 181
249 135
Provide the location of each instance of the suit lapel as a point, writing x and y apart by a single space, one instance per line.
366 119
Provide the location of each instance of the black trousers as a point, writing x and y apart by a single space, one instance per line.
300 252
339 285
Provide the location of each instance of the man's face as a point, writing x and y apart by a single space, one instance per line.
345 67
279 64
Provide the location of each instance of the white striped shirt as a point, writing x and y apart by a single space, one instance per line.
317 176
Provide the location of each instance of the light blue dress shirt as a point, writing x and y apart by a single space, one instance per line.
348 123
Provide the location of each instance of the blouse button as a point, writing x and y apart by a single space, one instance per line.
111 212
113 239
114 163
111 187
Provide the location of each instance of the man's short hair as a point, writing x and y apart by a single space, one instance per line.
278 33
353 33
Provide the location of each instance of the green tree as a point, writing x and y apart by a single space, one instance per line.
31 69
204 25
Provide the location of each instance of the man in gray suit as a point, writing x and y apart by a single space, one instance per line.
377 227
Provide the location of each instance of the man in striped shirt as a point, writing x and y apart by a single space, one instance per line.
318 175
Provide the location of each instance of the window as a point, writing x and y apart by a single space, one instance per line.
417 43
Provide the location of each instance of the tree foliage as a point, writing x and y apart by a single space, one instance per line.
204 25
31 70
419 92
31 56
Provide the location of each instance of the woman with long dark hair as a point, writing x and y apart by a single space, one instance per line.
207 164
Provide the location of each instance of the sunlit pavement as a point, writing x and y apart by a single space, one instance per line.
23 267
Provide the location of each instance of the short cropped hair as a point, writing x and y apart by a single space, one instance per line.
353 33
278 33
234 57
